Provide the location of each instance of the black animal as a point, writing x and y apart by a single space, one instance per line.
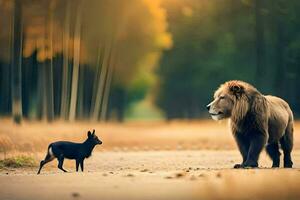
71 150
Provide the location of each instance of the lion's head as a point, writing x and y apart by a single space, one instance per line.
231 100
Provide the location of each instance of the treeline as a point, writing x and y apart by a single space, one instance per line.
77 59
257 41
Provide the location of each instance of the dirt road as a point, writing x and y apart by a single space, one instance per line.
155 175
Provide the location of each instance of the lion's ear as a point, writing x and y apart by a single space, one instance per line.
237 89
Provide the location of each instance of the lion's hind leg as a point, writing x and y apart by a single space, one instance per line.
273 151
287 145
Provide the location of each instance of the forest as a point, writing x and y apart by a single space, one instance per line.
99 60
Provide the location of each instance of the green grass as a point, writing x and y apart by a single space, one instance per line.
18 162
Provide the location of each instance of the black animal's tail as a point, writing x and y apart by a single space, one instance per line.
49 157
49 152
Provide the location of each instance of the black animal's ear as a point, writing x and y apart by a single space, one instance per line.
93 132
89 134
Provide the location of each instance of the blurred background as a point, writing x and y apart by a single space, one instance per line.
103 60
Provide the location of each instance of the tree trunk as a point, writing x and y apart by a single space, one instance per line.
5 96
65 92
80 106
76 62
16 62
40 91
99 65
49 66
101 85
106 93
281 81
280 76
260 43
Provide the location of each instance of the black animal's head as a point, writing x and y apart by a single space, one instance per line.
93 137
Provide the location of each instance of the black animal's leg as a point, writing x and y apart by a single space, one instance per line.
61 162
273 151
81 165
243 145
257 144
77 164
287 145
47 159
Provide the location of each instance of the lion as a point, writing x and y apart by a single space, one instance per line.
256 121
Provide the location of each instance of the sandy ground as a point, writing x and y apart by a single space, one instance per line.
155 175
154 160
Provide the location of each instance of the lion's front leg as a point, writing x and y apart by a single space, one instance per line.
243 145
257 143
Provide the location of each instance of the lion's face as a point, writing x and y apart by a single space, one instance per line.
221 107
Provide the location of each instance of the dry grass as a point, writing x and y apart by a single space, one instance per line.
18 162
131 136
